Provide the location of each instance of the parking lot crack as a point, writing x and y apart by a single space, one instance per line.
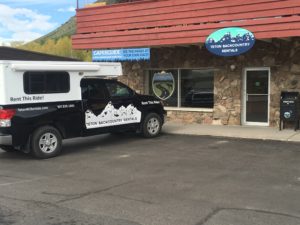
82 195
34 202
60 194
209 216
217 210
13 177
262 211
131 199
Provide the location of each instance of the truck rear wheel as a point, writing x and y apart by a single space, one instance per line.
152 125
46 142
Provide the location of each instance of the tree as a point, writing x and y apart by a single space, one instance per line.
59 47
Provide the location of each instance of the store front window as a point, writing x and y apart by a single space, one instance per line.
183 88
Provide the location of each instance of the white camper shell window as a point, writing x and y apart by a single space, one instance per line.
40 82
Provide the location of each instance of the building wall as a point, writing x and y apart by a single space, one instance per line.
282 56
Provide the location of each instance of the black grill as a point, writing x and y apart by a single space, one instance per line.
289 109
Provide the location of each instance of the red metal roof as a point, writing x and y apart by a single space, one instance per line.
181 22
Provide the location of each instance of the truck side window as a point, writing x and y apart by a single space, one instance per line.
39 82
117 90
92 91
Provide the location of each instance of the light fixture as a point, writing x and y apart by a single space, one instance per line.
232 67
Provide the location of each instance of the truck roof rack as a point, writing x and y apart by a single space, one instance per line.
105 69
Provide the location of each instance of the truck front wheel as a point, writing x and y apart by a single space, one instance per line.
46 142
152 125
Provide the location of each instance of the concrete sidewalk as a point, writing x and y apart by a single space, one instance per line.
249 132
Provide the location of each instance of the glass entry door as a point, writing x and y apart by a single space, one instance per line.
256 97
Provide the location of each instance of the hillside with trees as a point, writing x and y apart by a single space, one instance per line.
66 29
60 47
58 42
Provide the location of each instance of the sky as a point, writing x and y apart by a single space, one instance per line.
26 20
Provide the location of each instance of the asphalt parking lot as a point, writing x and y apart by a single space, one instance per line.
170 180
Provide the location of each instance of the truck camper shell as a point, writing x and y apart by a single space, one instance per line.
12 79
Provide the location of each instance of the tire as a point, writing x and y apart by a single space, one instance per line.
152 125
7 148
46 142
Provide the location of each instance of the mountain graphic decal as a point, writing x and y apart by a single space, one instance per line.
111 116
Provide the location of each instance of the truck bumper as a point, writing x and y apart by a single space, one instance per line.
5 140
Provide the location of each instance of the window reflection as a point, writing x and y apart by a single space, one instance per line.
196 87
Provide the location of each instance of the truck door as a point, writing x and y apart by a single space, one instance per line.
94 101
125 105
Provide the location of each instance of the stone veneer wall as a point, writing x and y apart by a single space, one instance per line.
190 117
282 56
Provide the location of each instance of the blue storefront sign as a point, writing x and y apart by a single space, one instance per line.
118 55
230 41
